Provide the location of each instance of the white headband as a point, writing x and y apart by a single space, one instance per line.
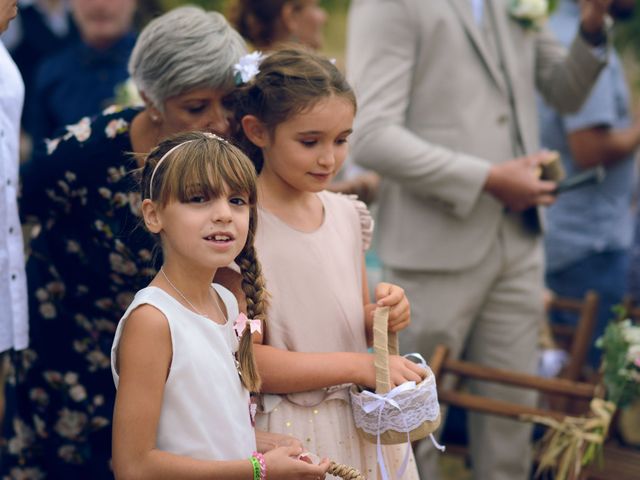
171 150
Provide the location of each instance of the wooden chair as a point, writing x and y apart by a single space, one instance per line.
442 365
620 463
576 340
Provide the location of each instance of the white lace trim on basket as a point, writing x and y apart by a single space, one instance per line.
403 409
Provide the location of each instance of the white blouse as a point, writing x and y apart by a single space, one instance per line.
14 328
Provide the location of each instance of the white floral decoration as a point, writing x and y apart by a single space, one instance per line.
81 130
531 13
247 67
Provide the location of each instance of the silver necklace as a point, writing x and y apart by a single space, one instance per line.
187 300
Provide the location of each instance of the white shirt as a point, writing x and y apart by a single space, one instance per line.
477 6
14 328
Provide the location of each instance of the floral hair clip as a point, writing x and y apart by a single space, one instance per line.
247 67
241 324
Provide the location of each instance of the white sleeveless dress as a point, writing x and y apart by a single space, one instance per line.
315 282
205 409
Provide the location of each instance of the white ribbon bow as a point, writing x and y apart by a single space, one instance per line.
378 404
241 324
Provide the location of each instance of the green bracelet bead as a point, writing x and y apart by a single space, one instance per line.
256 467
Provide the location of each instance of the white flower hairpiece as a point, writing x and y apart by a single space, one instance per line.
247 67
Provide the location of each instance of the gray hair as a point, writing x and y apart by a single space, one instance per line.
183 49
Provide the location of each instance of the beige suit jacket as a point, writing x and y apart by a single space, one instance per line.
434 114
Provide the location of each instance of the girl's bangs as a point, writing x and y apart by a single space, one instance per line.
208 171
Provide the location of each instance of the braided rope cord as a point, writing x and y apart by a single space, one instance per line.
345 472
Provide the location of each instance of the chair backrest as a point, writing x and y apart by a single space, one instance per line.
577 340
441 365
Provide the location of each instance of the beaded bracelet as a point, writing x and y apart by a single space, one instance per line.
263 465
255 464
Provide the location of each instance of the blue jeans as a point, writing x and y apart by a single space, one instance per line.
604 272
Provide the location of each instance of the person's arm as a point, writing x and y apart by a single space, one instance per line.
311 371
284 371
603 145
592 133
144 358
267 441
565 78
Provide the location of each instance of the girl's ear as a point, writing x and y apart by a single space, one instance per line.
255 131
151 217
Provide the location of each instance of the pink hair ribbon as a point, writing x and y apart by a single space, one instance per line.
241 324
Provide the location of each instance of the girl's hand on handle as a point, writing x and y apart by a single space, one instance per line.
390 295
282 463
401 370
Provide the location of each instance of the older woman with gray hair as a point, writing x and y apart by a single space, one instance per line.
88 258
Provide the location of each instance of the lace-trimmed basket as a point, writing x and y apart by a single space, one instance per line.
389 415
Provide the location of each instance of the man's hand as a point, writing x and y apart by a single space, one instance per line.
592 15
515 183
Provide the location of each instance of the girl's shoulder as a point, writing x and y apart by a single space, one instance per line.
154 297
351 205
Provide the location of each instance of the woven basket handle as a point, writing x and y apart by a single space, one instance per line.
384 344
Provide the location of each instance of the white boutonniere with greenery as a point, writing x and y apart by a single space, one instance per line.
531 13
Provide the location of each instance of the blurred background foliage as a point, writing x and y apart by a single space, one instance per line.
627 34
334 31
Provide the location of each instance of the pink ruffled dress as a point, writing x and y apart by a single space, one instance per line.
315 282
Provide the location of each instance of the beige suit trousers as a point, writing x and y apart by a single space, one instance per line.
489 314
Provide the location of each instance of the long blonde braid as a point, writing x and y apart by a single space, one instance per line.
253 286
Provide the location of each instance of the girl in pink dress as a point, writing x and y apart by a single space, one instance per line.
294 118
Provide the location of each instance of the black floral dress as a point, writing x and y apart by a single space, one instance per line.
89 256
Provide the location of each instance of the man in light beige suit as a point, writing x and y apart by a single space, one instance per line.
447 117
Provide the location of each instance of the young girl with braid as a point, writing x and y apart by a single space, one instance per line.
296 115
182 356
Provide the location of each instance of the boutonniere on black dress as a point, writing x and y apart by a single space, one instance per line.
531 13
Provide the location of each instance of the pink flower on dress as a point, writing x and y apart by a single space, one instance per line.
116 127
81 130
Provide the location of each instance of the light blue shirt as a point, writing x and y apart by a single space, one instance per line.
594 218
477 7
